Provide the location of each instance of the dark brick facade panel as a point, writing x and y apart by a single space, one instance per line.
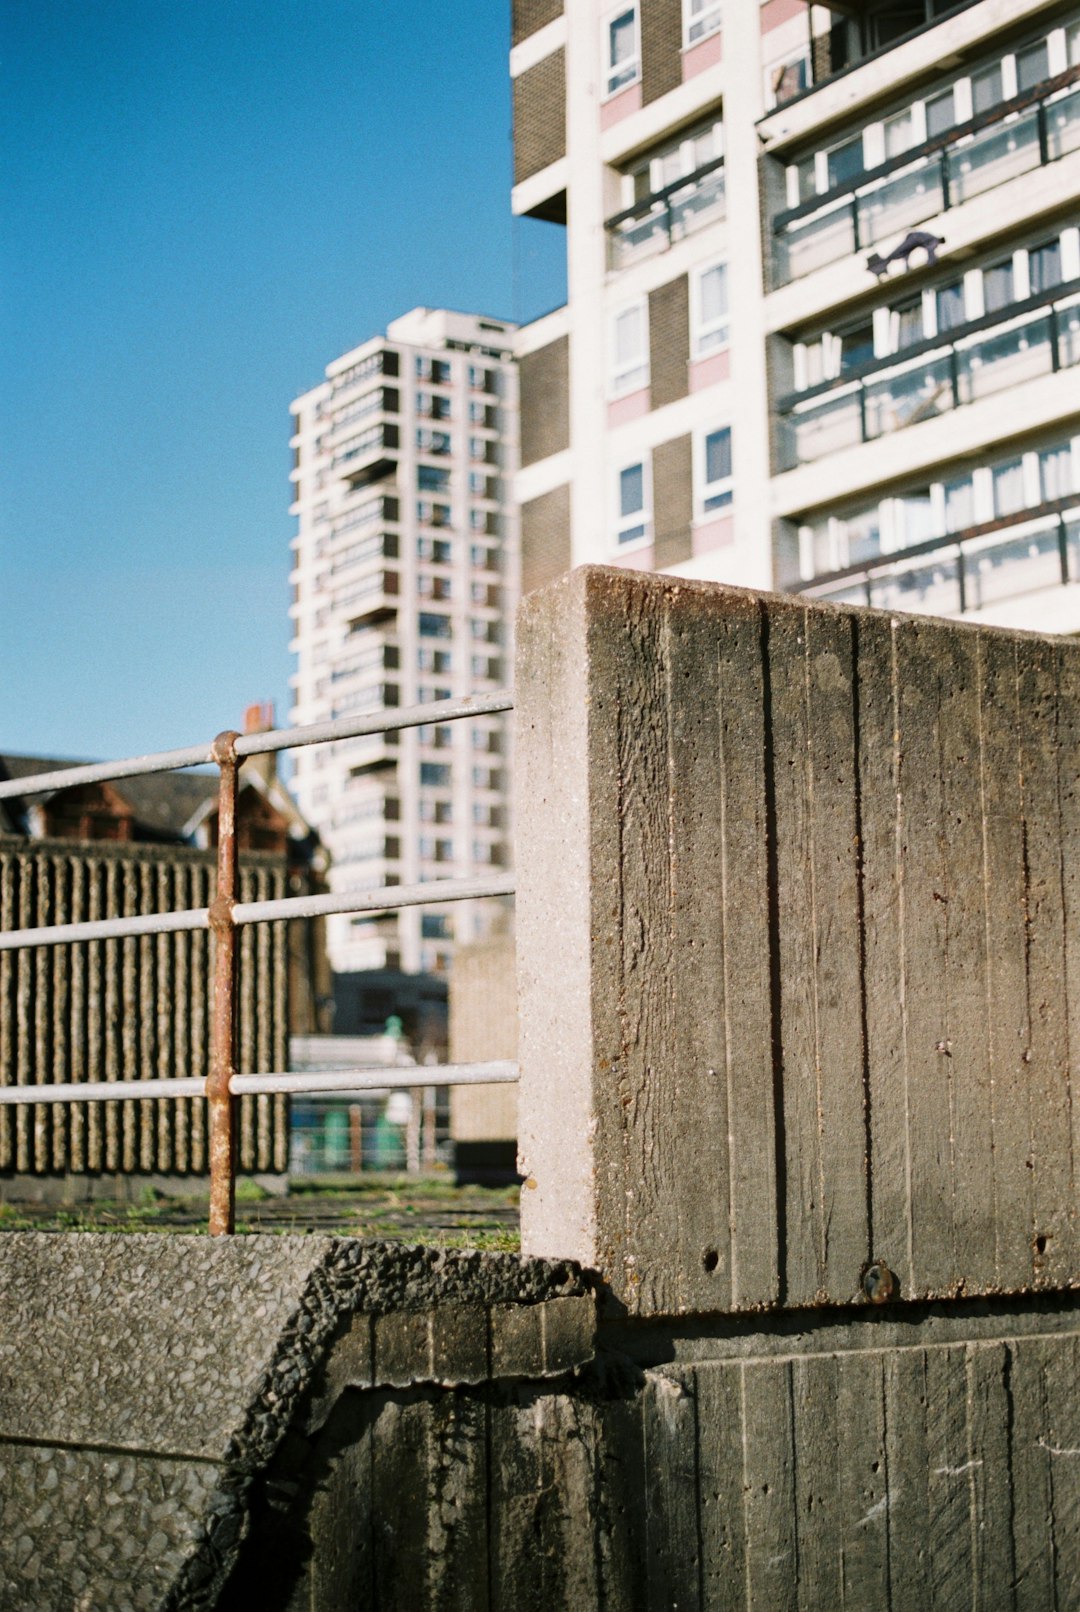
539 116
529 16
661 48
673 501
545 401
669 341
545 538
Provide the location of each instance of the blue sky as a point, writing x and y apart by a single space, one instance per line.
204 202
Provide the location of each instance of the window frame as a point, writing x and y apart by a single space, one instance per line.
710 9
711 498
627 522
631 74
635 376
700 328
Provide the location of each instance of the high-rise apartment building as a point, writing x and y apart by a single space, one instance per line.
404 585
822 329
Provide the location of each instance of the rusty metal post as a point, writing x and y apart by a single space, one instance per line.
223 1042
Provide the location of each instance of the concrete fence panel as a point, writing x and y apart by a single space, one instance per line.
135 1009
798 947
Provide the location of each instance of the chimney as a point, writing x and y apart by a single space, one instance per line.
259 718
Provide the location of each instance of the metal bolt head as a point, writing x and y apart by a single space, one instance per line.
879 1283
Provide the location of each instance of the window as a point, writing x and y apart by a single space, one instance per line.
479 378
435 626
844 163
861 535
940 114
435 926
432 514
678 159
856 346
622 61
900 133
478 412
710 310
914 518
1056 473
986 89
1044 266
998 286
434 773
950 306
1008 488
477 448
478 484
432 479
700 18
433 369
907 321
1032 66
478 520
632 523
715 472
432 441
629 349
959 504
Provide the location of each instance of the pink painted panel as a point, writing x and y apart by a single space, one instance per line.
630 407
620 106
635 560
714 534
774 12
705 372
706 53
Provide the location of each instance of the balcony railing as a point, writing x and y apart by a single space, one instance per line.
1014 138
226 915
1019 554
654 224
1002 349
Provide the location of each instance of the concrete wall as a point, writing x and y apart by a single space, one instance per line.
307 1423
134 1009
797 943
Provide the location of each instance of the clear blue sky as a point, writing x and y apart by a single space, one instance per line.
204 201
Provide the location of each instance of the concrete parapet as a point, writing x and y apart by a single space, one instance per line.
797 946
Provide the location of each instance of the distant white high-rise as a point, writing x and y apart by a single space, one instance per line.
822 330
404 583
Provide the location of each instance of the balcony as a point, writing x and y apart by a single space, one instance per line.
668 215
367 459
1036 337
968 571
1014 138
368 601
861 30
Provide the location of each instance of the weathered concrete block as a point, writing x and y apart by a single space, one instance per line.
542 1340
403 1349
798 916
459 1344
147 1383
569 1331
517 1341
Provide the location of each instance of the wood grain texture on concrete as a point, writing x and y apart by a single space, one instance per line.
798 954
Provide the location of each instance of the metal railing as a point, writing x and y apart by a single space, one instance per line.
1027 132
1039 335
226 914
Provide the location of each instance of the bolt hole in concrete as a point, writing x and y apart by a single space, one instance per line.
878 1282
1040 1245
711 1259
